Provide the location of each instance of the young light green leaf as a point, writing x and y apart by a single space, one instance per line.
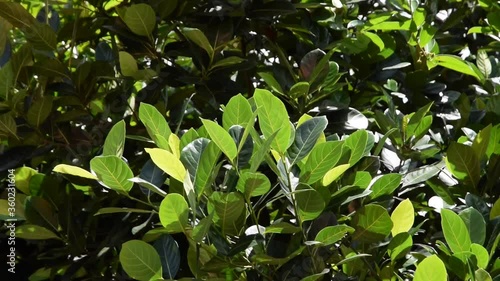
73 171
140 18
155 124
372 223
128 64
475 223
333 234
482 275
334 173
306 136
385 185
301 89
322 158
310 202
227 209
174 213
415 121
140 260
237 112
494 142
463 163
481 254
455 231
222 138
113 172
495 210
273 117
166 161
481 141
431 268
197 37
402 217
360 143
115 140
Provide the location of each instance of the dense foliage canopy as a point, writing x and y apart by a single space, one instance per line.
250 139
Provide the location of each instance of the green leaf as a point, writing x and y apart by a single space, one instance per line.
322 158
8 125
146 184
483 63
495 210
39 111
23 176
310 202
113 172
306 136
155 123
301 89
481 254
455 231
457 64
273 117
128 65
197 37
115 140
334 173
166 161
415 122
202 228
114 210
41 36
204 174
271 82
253 184
74 171
174 212
463 163
222 138
282 228
399 246
360 143
391 25
482 275
227 62
237 112
140 18
34 232
431 268
16 14
191 155
227 209
372 223
475 224
333 234
402 217
244 143
494 142
140 260
481 142
385 185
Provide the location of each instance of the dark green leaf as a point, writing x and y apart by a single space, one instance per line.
306 136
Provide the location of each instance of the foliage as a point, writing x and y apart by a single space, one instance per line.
252 140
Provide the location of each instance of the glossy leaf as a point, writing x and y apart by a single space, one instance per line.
333 234
360 143
237 112
222 138
174 212
167 162
431 268
481 141
399 246
273 117
74 171
306 136
457 64
140 260
155 123
334 173
310 203
115 140
402 217
463 163
385 185
197 37
323 157
372 223
227 209
170 256
475 224
140 18
455 231
113 172
253 184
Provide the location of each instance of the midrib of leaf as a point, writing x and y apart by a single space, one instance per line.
40 36
381 189
8 128
11 15
353 149
113 176
152 123
455 238
304 142
142 22
467 169
143 262
270 125
369 226
38 115
54 71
